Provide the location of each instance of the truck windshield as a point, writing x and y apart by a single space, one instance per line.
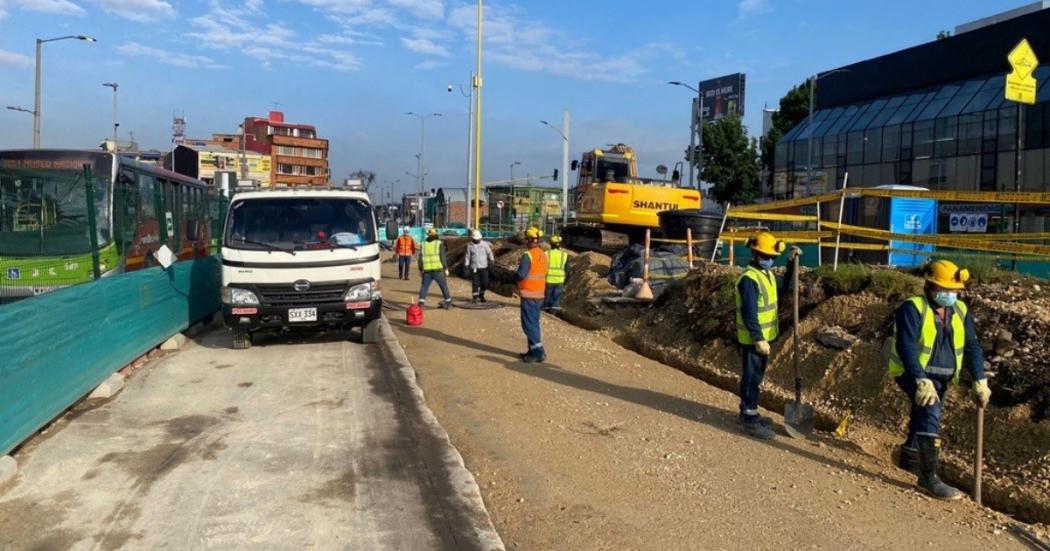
44 212
299 224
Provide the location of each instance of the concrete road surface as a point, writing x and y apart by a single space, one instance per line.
316 442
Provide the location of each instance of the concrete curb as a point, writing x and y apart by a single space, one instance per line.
468 495
109 388
8 469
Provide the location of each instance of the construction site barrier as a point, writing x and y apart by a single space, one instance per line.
58 347
944 241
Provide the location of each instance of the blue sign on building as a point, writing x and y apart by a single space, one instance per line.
14 273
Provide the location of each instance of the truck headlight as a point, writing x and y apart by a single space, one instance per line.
240 297
363 292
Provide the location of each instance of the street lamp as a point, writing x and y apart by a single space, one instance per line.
422 154
512 165
470 135
809 122
696 127
564 133
116 124
476 85
36 103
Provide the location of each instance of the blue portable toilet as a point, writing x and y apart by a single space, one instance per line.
894 214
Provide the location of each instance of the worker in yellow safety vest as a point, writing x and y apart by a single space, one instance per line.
934 336
433 263
532 281
757 324
557 259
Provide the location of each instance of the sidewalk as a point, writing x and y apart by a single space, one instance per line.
601 448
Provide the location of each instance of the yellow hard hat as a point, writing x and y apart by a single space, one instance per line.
765 243
533 233
555 239
946 275
432 232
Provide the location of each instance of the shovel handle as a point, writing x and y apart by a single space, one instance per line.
978 460
794 339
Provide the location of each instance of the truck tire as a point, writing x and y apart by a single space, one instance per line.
242 340
370 332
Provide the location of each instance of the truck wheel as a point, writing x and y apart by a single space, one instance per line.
370 332
242 340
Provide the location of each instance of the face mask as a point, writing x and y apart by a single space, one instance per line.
766 263
945 298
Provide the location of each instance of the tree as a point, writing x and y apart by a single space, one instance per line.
730 161
941 35
367 177
794 108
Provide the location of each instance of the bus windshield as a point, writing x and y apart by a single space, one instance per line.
43 206
299 224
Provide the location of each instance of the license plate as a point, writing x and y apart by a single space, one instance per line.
302 314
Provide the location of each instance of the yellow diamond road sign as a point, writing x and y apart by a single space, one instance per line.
1020 83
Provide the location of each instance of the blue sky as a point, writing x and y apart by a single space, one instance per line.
353 67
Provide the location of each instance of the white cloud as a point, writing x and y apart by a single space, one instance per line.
423 41
11 58
751 7
430 64
58 7
144 11
167 57
424 9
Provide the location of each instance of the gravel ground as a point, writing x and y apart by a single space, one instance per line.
601 448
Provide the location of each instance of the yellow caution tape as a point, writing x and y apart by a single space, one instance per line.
1006 236
1012 197
858 246
788 203
785 235
946 241
772 216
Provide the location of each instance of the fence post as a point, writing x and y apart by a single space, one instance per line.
731 243
722 228
689 245
645 262
89 194
819 249
838 229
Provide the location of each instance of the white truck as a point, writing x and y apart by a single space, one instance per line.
300 258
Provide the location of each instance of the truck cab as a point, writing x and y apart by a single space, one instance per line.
300 259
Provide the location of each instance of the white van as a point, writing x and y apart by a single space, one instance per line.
300 257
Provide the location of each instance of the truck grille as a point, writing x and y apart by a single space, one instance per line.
286 295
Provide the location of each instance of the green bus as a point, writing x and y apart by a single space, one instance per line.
46 240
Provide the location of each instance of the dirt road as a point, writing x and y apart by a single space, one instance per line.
601 448
309 442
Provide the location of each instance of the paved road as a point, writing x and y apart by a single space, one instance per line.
319 443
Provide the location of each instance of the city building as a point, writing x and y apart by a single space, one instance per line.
201 160
298 156
933 116
521 206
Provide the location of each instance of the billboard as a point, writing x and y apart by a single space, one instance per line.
722 96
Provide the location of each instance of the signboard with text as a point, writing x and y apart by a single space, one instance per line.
1020 83
722 96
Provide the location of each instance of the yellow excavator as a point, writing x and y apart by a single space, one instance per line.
614 206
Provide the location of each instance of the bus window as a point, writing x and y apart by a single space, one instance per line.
125 210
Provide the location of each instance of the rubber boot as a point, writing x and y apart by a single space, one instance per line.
909 459
756 429
929 455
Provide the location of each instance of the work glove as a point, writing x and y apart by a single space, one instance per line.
795 252
446 272
925 394
762 347
981 393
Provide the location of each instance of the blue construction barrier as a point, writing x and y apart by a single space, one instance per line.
58 347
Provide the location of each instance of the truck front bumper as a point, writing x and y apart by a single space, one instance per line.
351 314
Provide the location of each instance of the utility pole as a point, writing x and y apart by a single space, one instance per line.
114 86
422 153
477 125
564 133
39 61
470 137
696 130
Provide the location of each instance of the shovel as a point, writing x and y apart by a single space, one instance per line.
798 417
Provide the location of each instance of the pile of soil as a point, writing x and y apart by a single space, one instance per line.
692 327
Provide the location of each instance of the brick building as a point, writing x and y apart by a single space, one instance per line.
298 156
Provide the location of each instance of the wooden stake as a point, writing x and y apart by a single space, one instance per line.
978 460
645 262
689 245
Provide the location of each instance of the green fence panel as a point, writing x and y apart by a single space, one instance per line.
57 347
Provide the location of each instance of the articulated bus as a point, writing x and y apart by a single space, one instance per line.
45 231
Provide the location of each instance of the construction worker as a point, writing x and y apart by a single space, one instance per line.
404 248
757 324
479 256
556 261
532 279
934 336
433 263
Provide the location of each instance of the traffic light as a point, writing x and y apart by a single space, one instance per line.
555 175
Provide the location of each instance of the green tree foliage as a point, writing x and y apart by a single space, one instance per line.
794 108
730 161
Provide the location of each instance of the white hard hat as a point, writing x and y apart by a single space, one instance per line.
475 234
407 230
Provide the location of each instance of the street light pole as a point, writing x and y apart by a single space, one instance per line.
116 125
470 138
477 125
422 154
36 93
696 130
564 133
